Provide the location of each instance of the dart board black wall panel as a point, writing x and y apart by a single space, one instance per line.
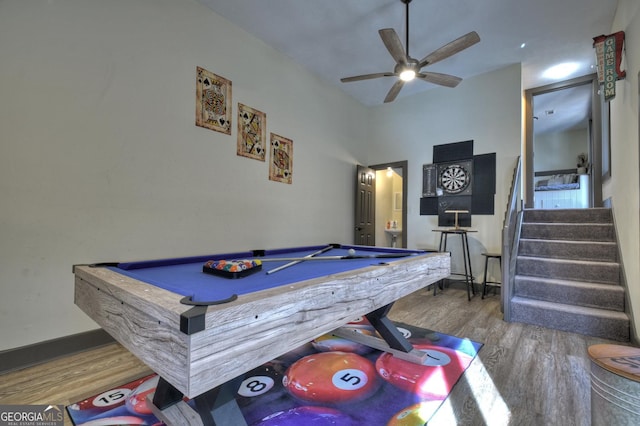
450 152
484 184
484 174
454 203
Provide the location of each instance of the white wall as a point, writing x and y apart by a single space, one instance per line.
410 127
100 159
624 186
559 150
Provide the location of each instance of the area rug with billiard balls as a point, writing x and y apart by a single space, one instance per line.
329 381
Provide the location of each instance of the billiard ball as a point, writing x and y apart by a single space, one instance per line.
351 252
292 356
260 380
307 415
405 333
331 378
330 343
433 379
360 321
107 400
415 415
117 420
137 401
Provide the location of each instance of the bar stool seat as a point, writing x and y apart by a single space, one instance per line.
485 283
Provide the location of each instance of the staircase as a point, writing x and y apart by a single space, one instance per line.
568 275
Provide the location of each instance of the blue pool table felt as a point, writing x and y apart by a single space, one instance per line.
184 276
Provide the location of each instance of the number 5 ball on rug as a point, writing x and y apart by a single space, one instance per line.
331 378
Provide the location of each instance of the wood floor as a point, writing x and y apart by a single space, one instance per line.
524 375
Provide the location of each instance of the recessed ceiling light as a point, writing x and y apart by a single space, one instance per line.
561 70
523 45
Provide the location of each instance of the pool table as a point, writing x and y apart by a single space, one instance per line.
198 331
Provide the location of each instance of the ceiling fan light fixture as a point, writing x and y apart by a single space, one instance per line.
408 68
407 75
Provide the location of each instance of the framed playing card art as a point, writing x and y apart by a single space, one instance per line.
213 101
281 161
252 132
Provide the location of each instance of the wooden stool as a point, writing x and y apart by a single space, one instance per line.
615 385
486 283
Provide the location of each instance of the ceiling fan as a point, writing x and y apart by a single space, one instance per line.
408 68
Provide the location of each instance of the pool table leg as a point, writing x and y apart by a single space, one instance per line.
388 330
220 404
217 404
166 395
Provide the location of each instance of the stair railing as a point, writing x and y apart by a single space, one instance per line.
510 238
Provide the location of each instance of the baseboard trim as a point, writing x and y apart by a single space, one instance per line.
38 353
459 284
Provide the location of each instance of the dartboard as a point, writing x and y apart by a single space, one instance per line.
454 178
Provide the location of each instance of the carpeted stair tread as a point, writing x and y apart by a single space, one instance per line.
576 261
601 313
569 249
568 231
576 319
570 255
579 270
593 215
596 295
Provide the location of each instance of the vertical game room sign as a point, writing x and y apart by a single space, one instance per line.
609 58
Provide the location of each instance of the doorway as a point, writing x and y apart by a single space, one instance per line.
562 123
390 222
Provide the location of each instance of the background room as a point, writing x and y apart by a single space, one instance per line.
101 159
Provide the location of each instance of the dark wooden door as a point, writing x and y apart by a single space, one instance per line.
365 207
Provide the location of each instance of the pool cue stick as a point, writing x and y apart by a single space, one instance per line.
371 256
295 262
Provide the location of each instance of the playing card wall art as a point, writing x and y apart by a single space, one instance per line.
281 161
252 132
213 101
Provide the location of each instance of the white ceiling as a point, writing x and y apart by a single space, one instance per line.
561 110
339 38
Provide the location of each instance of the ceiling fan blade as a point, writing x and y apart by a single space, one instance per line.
450 49
393 44
393 92
440 79
367 77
